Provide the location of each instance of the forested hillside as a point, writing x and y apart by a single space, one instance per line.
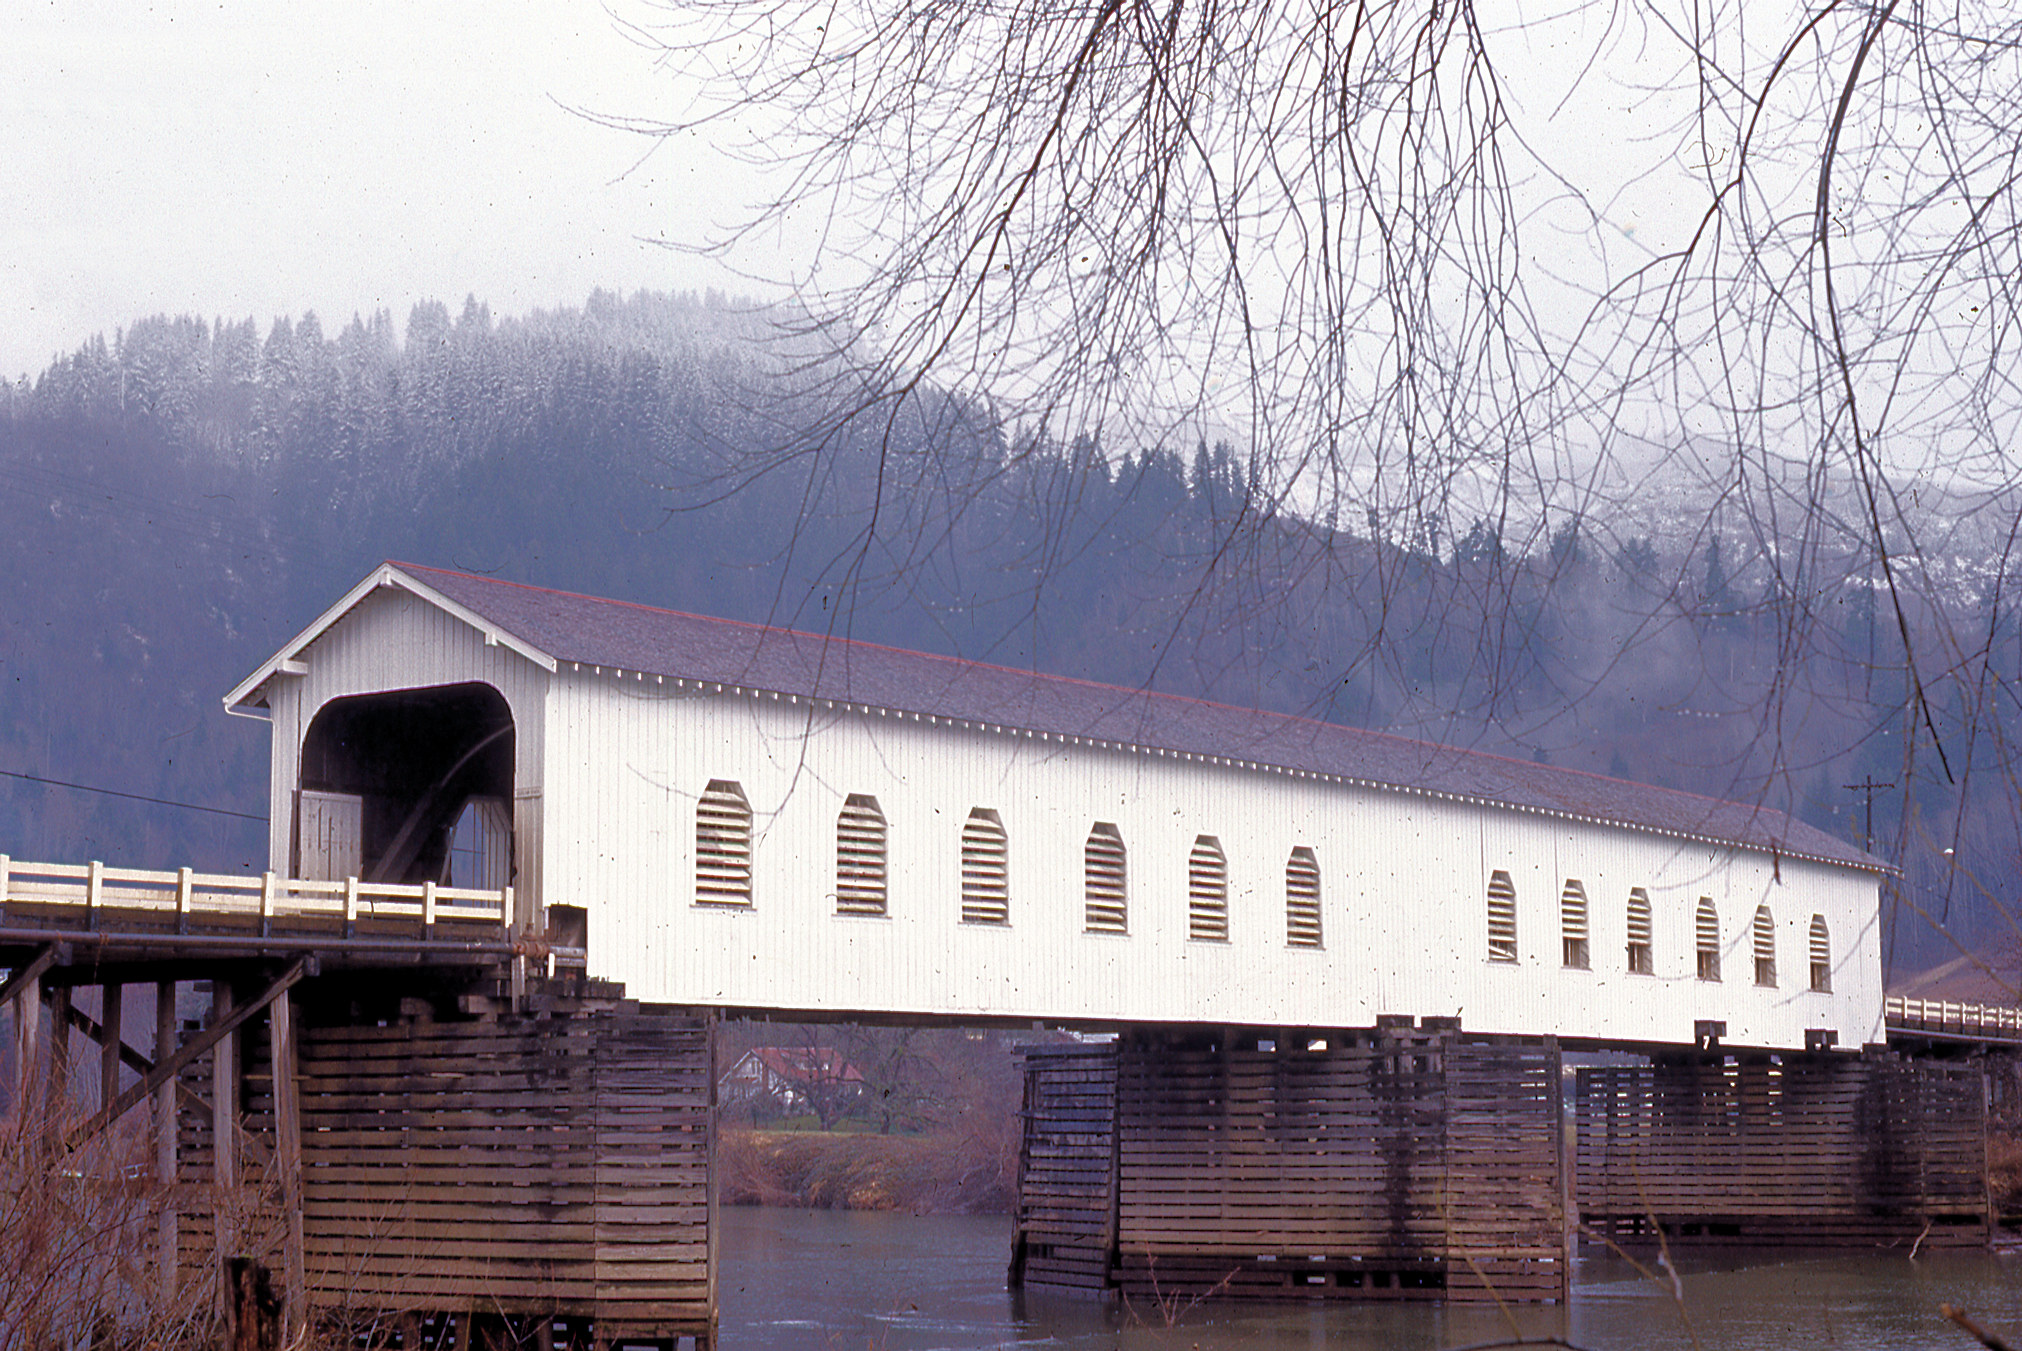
183 498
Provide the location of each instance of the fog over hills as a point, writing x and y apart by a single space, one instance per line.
184 496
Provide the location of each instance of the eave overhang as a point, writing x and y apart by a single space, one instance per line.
249 696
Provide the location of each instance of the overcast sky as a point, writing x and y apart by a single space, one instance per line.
236 158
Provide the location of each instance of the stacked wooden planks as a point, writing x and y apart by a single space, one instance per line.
1812 1150
1505 1168
654 1083
1066 1221
213 1222
1357 1165
503 1166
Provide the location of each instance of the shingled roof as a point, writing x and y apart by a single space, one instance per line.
586 631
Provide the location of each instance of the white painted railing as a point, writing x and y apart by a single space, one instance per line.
185 896
1944 1015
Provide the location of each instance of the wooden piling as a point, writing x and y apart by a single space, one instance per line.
252 1309
1066 1216
112 1013
28 1062
281 1059
1812 1150
58 1086
224 1125
1390 1164
165 1128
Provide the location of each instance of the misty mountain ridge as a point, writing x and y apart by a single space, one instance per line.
190 493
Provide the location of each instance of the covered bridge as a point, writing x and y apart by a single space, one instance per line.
757 818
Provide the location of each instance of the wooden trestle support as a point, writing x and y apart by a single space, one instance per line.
1396 1163
433 1155
1818 1149
1399 1163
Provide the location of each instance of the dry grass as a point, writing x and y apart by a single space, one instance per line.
946 1172
2004 1171
77 1243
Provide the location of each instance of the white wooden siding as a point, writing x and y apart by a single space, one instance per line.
1403 885
394 640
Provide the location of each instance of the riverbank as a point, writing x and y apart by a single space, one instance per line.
976 1172
938 1173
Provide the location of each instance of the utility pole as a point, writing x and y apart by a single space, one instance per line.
1869 787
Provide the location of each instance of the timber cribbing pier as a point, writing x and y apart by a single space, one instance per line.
449 1127
1394 1163
445 1129
1417 1161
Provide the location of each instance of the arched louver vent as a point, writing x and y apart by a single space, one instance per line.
860 867
1103 872
1208 891
1706 939
1573 924
1302 899
722 845
1501 917
1765 947
1821 955
1640 960
986 869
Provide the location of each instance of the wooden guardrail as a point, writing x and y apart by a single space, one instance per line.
1945 1015
185 899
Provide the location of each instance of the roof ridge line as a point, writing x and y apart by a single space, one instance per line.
1753 807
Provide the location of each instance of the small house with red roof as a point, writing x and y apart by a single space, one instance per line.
789 1076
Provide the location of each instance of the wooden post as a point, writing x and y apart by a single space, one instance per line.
28 1047
1567 1215
168 1227
112 1010
56 1091
252 1314
224 1121
709 1126
288 1162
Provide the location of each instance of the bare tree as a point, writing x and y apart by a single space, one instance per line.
1393 252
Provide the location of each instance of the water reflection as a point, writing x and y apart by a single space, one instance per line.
869 1282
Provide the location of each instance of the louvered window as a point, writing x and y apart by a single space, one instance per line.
1821 955
986 869
1501 917
1765 947
1302 899
722 845
1103 873
860 857
1640 960
1573 924
1706 939
1208 891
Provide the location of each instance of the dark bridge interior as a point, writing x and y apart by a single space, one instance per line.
417 758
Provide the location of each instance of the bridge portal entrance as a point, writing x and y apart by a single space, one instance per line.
409 786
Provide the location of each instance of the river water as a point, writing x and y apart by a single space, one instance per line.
857 1281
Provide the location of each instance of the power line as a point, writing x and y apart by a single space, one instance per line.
137 797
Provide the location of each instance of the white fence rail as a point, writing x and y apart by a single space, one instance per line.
184 897
1944 1015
